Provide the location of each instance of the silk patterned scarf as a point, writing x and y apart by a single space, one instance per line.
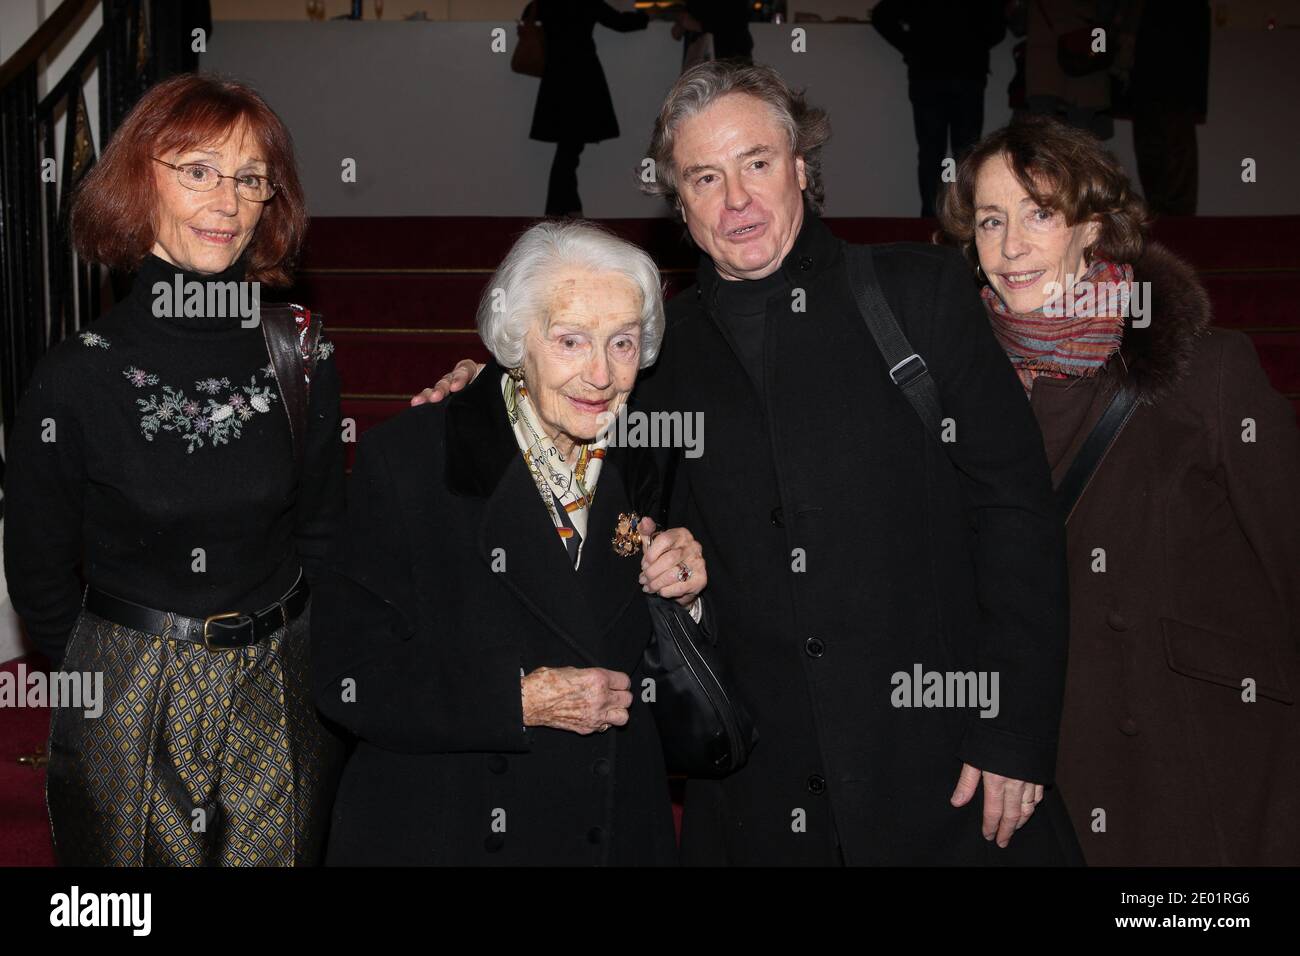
567 488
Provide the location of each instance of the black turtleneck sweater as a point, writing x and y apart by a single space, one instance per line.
741 307
149 485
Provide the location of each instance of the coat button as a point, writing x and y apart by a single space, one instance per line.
494 842
601 767
1128 727
1117 621
778 517
805 263
816 785
497 763
595 835
814 647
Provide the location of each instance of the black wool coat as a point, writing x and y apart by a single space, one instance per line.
912 553
446 581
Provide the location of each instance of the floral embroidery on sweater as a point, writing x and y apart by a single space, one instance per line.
202 421
94 340
139 377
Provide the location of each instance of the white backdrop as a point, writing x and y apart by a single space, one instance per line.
438 124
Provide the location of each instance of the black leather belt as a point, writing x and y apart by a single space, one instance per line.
216 632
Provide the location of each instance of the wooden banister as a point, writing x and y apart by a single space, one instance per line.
46 35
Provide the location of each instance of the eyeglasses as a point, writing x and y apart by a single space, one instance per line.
202 178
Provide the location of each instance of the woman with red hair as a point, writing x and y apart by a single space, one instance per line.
184 450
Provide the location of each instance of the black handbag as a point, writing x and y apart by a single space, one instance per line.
529 57
704 728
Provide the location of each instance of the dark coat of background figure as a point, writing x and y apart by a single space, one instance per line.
1169 96
908 561
1201 589
573 103
412 610
728 22
175 21
945 44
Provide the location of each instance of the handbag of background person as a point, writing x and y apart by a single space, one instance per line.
529 57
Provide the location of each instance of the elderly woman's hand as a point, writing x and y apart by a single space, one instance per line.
466 371
672 563
579 699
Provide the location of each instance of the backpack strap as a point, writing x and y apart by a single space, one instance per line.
907 369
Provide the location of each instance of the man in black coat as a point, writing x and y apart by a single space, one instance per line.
852 554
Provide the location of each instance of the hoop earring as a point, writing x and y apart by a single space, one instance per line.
979 273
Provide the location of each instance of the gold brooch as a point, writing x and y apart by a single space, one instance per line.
627 539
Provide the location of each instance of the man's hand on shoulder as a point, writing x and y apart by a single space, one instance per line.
466 371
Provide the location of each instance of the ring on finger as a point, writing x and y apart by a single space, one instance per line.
683 572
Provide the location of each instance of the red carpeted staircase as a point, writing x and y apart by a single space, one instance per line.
399 295
24 825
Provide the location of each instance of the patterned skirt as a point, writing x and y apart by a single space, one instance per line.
197 758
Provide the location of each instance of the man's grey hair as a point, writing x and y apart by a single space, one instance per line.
808 127
520 290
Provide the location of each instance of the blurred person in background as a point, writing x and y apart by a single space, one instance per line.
945 44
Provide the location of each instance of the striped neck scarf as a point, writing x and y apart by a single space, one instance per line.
567 487
1075 342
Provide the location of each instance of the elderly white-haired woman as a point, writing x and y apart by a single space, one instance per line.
478 634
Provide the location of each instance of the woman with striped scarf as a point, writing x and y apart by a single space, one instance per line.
1179 732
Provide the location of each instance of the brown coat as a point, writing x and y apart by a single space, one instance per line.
1200 531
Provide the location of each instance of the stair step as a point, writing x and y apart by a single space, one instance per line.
1233 242
412 300
447 299
470 242
1254 300
461 242
399 294
378 362
388 364
423 299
